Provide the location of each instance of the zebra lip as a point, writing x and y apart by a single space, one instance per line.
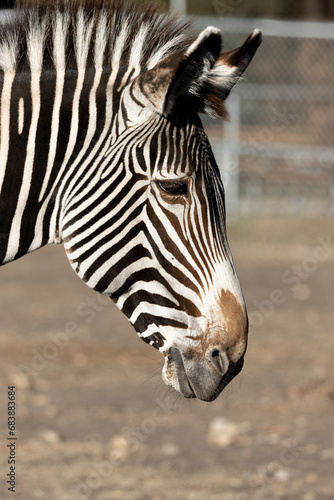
185 387
184 384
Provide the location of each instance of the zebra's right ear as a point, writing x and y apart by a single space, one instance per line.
182 73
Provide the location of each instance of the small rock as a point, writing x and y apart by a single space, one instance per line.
50 436
282 475
170 450
19 379
119 448
222 432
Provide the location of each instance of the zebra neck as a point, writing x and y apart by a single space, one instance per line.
49 135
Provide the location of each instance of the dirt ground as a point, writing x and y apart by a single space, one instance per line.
94 420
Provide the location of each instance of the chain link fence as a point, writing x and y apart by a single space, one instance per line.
277 154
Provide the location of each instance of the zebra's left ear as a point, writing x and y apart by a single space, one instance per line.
180 74
199 78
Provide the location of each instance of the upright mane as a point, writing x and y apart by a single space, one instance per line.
48 25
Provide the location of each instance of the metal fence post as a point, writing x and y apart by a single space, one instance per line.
229 166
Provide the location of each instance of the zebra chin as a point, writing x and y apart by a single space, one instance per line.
200 379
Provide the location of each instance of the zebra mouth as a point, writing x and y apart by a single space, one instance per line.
194 379
185 386
174 374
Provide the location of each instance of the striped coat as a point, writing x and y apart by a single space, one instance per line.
102 149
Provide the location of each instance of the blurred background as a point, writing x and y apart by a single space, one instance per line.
94 419
276 153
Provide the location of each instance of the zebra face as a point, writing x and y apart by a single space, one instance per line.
181 291
157 242
165 259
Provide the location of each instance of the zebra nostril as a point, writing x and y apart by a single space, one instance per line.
215 353
219 360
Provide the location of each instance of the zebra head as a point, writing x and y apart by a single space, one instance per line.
153 234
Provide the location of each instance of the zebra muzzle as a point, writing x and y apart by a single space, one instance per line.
200 378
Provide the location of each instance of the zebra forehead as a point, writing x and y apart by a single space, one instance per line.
176 145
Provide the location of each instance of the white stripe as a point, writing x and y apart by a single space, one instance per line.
82 43
135 56
100 47
8 53
14 236
60 30
159 311
172 334
83 32
8 50
146 263
118 49
20 120
137 48
35 46
100 39
164 51
5 123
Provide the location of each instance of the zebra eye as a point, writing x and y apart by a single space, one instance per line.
176 188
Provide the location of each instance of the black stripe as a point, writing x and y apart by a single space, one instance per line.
136 253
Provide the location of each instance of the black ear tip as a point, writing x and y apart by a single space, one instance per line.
214 44
256 37
252 43
211 40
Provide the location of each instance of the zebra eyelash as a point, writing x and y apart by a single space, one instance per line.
173 187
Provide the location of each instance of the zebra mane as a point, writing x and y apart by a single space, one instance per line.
126 39
46 34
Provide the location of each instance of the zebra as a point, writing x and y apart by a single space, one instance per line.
103 150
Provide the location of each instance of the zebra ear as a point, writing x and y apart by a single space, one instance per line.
190 79
226 72
182 73
200 78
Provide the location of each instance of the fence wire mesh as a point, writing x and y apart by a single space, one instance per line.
276 154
